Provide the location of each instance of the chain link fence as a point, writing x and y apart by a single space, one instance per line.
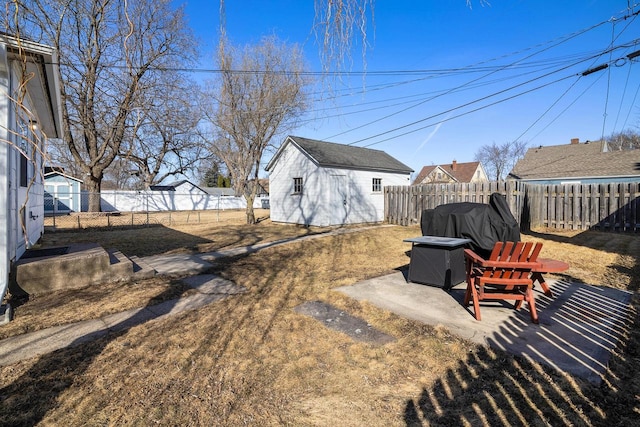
69 210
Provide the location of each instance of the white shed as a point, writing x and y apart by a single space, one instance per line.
23 130
322 183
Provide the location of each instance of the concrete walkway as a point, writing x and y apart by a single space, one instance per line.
210 288
579 325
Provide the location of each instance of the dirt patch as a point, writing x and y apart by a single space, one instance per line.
341 321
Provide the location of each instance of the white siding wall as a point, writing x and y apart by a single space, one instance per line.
483 175
320 203
4 171
30 199
13 240
363 205
308 208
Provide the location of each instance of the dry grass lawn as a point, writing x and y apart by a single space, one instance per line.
252 360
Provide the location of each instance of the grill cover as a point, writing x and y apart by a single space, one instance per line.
483 224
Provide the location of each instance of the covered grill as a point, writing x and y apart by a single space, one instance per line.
483 224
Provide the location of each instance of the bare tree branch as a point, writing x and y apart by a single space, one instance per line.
108 53
256 99
498 160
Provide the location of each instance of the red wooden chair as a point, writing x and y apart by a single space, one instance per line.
505 275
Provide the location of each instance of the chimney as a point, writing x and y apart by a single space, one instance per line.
454 165
575 141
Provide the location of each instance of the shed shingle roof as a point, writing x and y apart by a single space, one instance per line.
329 154
576 161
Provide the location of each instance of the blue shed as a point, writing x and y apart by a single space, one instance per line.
61 193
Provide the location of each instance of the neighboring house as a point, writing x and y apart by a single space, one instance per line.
451 173
26 127
180 187
263 189
321 183
220 191
62 192
577 163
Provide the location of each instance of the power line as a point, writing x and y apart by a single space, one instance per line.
466 112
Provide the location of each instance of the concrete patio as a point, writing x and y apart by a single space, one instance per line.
579 326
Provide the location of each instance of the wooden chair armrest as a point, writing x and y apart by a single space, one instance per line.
472 256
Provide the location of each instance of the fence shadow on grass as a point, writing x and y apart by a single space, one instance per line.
493 388
590 331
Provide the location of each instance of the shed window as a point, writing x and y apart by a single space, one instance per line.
297 185
376 185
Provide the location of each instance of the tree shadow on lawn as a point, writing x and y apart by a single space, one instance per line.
158 239
29 398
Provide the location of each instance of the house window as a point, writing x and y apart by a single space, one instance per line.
439 175
23 135
376 185
297 185
24 170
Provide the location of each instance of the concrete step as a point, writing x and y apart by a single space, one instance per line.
46 270
74 266
141 270
120 267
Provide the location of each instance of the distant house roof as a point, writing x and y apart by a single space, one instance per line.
219 191
329 154
173 186
576 160
460 172
51 172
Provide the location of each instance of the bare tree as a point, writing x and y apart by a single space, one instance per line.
109 53
498 160
337 24
625 140
122 175
256 99
166 140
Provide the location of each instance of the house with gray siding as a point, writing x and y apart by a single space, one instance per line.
577 163
322 183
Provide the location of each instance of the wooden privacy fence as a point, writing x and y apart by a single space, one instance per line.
607 207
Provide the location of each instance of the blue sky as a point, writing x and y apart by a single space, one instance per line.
466 77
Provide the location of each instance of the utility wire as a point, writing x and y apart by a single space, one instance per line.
568 106
466 112
469 103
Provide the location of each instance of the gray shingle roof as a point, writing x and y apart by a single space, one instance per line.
576 161
329 154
